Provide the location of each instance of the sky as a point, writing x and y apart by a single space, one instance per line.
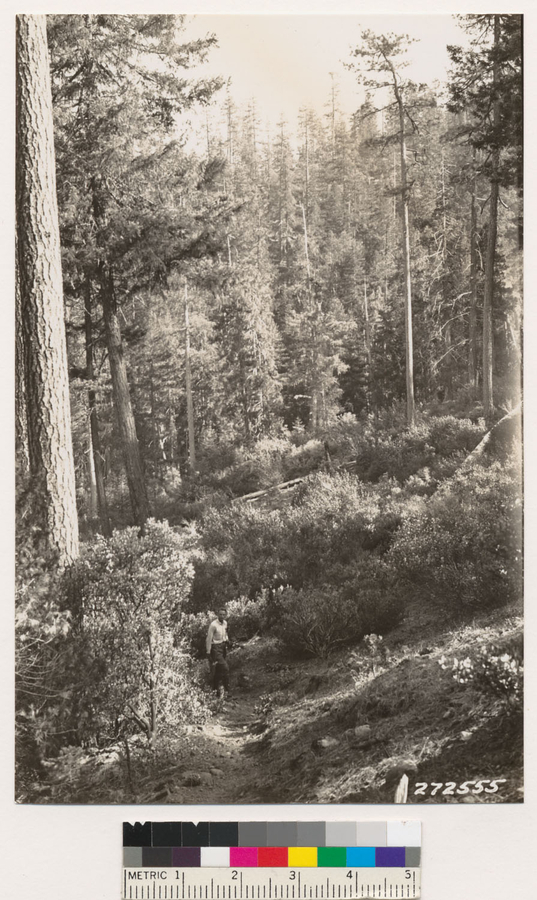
285 61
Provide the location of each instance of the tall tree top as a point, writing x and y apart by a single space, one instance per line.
486 87
384 54
102 54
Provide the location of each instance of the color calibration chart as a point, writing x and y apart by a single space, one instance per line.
266 860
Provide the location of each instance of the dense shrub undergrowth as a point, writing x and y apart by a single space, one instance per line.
101 651
464 547
105 649
381 447
126 597
333 521
351 556
317 621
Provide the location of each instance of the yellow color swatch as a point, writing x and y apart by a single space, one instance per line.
302 856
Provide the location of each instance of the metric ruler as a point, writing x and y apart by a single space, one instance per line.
270 884
271 860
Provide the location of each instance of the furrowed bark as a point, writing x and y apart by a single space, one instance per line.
46 387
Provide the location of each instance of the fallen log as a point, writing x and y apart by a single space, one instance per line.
286 485
505 427
256 495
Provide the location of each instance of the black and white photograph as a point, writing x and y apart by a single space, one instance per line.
268 379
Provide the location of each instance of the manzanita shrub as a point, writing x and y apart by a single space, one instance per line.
316 621
126 596
42 664
333 521
463 547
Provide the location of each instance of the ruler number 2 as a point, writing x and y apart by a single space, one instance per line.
234 874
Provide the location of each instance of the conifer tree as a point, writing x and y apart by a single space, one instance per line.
118 86
486 82
41 323
381 54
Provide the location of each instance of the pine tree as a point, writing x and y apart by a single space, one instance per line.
46 390
130 199
486 81
381 54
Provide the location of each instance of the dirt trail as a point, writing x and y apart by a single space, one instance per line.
223 755
230 730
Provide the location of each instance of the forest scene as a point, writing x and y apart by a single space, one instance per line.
268 374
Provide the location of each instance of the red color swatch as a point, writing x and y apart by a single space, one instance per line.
272 856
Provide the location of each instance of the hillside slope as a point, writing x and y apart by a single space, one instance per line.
348 733
337 731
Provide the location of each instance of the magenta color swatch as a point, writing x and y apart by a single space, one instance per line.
243 856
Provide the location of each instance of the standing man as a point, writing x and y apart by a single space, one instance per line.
217 646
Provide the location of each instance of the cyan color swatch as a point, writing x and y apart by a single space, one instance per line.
361 856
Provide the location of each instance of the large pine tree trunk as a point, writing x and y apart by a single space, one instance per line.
95 438
118 368
46 385
92 501
21 429
490 258
410 405
122 401
488 397
472 323
188 386
368 351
